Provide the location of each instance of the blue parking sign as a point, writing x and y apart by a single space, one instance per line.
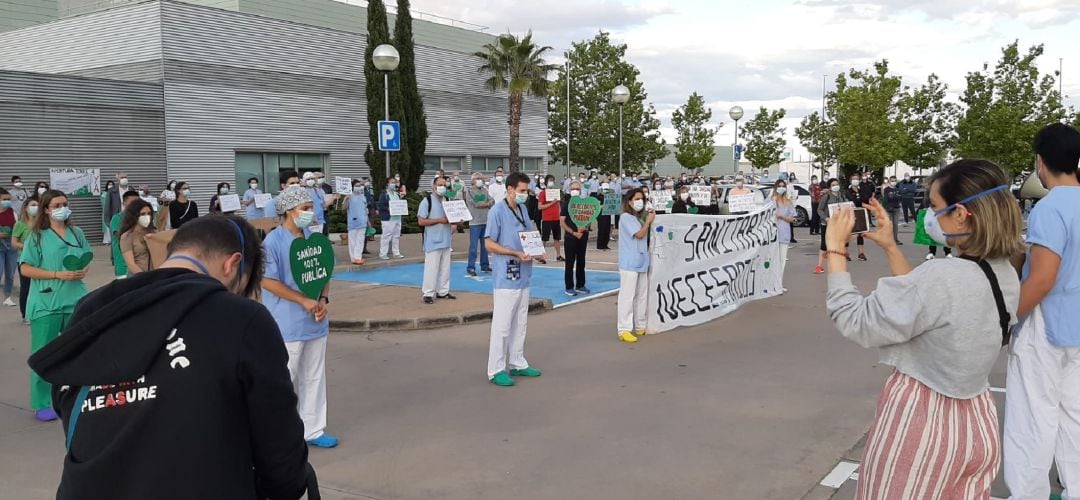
389 136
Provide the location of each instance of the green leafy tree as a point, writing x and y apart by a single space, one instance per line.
929 124
818 136
764 138
865 108
597 66
517 66
694 146
413 119
378 34
1006 107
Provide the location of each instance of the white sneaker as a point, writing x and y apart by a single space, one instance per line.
10 303
929 256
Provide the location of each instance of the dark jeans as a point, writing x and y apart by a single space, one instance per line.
815 222
477 246
603 232
575 260
909 209
24 293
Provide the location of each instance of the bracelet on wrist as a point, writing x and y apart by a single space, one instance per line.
837 252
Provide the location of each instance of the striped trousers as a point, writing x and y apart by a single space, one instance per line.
924 445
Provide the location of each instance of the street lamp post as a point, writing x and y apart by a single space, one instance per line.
386 59
736 113
620 95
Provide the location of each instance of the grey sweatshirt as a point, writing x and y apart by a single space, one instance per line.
938 324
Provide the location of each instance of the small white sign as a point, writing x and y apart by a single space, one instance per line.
456 211
342 185
153 203
702 195
531 243
662 200
399 207
229 203
262 200
741 203
551 195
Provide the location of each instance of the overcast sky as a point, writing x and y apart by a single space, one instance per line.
775 52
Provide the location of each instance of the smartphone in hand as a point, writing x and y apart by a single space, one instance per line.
862 221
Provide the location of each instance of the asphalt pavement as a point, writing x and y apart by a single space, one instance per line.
762 403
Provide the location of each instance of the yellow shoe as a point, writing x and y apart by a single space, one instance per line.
627 337
639 333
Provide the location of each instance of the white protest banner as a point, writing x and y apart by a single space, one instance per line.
741 203
551 195
662 200
456 211
262 200
76 182
701 195
399 207
229 203
703 267
531 243
342 185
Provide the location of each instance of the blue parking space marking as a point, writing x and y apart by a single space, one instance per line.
547 282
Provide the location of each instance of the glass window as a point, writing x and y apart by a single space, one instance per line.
451 165
267 167
248 165
431 163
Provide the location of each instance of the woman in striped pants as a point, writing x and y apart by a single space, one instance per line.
941 325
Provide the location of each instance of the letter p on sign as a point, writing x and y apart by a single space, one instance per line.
389 136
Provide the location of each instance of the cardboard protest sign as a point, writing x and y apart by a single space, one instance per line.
456 211
343 185
229 203
583 211
612 204
311 261
662 200
701 195
262 200
531 243
741 203
399 207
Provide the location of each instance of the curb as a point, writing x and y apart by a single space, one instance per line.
536 306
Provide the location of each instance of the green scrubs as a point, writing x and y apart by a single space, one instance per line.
51 301
119 264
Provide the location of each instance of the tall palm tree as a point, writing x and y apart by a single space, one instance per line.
516 66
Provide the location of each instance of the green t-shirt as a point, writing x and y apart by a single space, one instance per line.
21 231
119 264
46 250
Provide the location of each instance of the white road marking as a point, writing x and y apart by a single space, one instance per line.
840 474
589 297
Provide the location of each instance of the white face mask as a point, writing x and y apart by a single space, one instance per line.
124 181
855 182
478 183
18 184
144 220
551 184
32 211
575 192
254 185
499 179
310 182
637 205
41 191
440 190
781 190
303 219
684 196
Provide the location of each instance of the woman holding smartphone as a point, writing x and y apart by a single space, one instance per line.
831 196
941 326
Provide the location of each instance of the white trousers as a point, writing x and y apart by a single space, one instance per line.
509 319
391 235
1042 413
633 300
784 247
357 237
307 366
436 272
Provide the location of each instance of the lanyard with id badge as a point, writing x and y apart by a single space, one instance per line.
513 266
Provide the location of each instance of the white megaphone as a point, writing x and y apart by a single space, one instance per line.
1032 189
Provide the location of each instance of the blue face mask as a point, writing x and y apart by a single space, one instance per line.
521 198
933 226
5 204
61 214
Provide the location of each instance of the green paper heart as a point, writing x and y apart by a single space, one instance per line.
583 211
312 264
451 194
370 231
480 198
77 262
5 229
692 210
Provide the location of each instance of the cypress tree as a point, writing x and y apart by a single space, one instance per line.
378 33
414 119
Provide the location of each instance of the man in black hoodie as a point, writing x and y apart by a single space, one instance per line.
179 380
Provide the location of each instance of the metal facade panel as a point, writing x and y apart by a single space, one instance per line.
59 121
15 14
114 37
460 124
